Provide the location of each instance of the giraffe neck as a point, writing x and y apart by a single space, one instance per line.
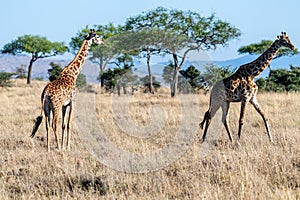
72 70
262 62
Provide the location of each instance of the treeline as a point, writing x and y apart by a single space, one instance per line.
190 80
281 80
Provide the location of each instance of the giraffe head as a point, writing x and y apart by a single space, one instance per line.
285 41
93 37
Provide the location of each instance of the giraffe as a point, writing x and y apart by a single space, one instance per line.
240 87
59 94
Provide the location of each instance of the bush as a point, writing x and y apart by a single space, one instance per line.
146 84
54 71
81 81
5 78
281 80
21 72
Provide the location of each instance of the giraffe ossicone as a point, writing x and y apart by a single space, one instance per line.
58 95
240 87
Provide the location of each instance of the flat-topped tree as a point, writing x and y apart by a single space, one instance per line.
100 54
146 43
38 47
204 33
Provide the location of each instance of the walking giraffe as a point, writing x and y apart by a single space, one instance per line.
58 94
240 87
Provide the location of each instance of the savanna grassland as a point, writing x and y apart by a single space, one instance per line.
252 169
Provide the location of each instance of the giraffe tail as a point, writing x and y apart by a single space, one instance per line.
205 116
204 119
37 123
38 120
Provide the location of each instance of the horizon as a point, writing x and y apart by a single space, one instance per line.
10 63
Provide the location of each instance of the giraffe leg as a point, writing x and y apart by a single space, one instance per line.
242 117
209 115
258 108
47 129
47 111
225 108
64 109
68 125
54 127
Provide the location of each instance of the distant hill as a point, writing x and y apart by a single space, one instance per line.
283 62
10 63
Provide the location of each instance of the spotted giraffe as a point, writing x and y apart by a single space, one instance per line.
240 87
59 94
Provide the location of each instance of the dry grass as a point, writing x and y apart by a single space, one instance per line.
255 169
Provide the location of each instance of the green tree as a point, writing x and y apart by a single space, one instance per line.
192 75
203 33
113 79
214 73
101 54
281 80
120 77
145 82
54 71
168 73
147 43
38 47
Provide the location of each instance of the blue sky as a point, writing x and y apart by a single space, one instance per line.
59 20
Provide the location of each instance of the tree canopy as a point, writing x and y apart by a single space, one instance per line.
101 54
203 33
39 47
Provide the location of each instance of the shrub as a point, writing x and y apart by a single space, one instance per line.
5 78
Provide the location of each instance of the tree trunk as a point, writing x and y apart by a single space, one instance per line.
124 89
101 72
151 90
119 89
174 83
175 77
29 71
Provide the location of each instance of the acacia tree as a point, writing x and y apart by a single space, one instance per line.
101 54
261 47
146 43
204 33
39 47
